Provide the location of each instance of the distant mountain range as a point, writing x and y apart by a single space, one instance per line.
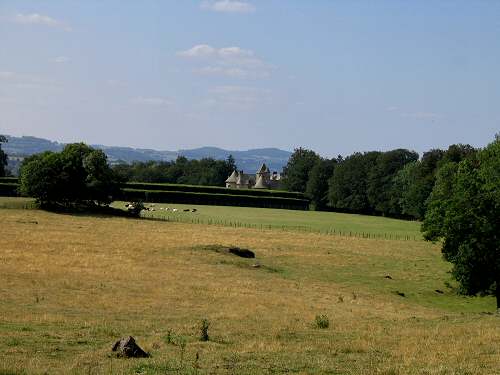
249 161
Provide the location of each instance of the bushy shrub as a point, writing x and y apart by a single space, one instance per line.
204 324
322 321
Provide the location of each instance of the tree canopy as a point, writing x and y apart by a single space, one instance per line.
77 176
3 157
380 180
463 212
206 171
296 172
348 184
317 184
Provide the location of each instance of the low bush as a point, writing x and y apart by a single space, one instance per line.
321 321
204 324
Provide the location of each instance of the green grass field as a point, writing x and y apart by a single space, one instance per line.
16 202
311 221
71 285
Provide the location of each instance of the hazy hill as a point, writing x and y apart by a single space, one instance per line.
249 160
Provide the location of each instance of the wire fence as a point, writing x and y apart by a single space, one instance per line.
179 218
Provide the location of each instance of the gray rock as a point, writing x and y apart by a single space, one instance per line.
127 348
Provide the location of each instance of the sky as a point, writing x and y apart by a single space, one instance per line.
332 76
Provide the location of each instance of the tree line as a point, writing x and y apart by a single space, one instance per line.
207 171
3 158
395 183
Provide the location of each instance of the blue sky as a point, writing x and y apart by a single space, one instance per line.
333 76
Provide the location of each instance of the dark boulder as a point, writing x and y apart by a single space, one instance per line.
244 253
127 348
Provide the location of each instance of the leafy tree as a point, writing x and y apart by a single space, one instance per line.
317 185
101 182
3 157
402 183
296 172
348 185
414 183
457 152
76 176
464 211
380 180
422 183
438 202
206 171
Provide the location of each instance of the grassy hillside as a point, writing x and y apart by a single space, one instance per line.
346 224
72 285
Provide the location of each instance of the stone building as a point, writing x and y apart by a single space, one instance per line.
263 179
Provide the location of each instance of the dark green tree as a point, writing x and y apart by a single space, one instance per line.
317 185
380 180
101 182
206 171
464 211
457 152
414 183
296 172
3 157
348 185
76 176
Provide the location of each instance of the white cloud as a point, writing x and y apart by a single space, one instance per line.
155 101
200 50
60 60
228 6
234 52
227 61
39 19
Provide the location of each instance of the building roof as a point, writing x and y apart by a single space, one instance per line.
233 177
260 183
240 180
263 169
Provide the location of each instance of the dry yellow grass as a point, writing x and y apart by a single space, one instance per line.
72 285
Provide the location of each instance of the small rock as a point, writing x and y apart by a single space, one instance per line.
388 277
127 348
401 294
256 265
439 291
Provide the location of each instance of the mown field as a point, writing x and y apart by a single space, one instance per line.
71 285
308 221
